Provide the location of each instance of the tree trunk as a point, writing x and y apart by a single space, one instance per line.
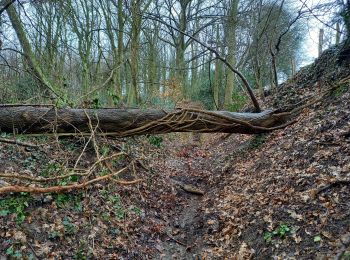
231 50
293 66
27 49
274 69
180 63
120 60
337 34
126 122
133 96
218 71
320 42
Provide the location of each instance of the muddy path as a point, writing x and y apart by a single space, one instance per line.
196 166
186 166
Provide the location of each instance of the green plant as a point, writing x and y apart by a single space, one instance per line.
5 135
29 162
340 90
105 150
83 252
96 103
54 234
137 210
51 169
11 252
317 238
69 228
281 231
106 217
346 256
15 205
115 98
67 180
257 141
155 140
118 209
64 200
64 101
104 171
238 101
80 255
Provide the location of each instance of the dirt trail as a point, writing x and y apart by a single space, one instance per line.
199 166
185 229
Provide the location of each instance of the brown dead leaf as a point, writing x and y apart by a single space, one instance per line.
43 250
210 222
313 193
245 252
294 215
20 236
297 239
326 234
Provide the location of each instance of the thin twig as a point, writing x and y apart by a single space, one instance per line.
177 241
87 172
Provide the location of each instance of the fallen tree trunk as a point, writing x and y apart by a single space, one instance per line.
126 122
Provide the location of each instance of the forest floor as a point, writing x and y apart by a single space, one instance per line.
282 195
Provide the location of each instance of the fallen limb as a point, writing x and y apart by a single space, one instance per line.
16 142
33 179
67 188
60 177
191 189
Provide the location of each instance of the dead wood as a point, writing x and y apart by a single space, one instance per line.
128 122
67 188
191 189
332 184
16 142
8 188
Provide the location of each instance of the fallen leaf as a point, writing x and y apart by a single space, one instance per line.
294 215
20 236
317 238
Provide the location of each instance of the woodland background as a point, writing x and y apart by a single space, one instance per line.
102 53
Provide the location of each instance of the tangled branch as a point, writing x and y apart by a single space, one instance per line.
65 188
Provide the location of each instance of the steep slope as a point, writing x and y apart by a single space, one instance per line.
288 194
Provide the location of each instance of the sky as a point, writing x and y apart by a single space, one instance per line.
310 48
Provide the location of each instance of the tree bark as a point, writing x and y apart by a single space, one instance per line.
133 95
320 42
126 122
231 27
337 34
180 63
27 49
